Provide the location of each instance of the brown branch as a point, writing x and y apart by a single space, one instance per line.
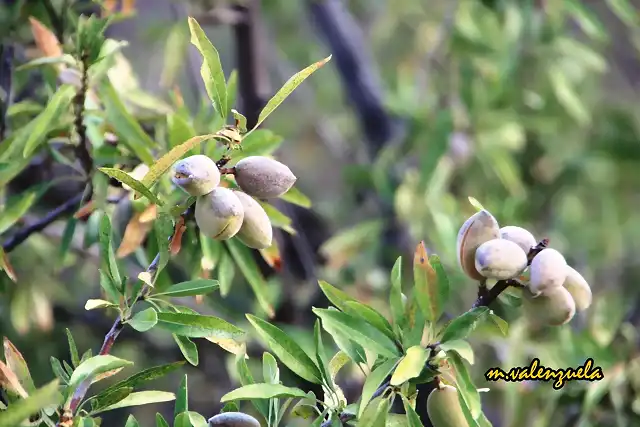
23 234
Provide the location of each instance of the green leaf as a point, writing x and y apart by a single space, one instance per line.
125 125
132 422
287 350
373 381
226 273
57 105
413 420
139 398
411 365
144 320
110 288
567 96
190 288
500 324
444 286
371 316
17 206
198 326
59 371
160 421
319 354
67 237
188 349
190 419
344 343
395 294
295 196
179 130
94 366
163 226
335 295
247 265
245 379
262 391
211 70
182 401
22 409
429 291
376 413
107 256
73 349
270 371
463 325
466 388
145 376
359 331
104 400
125 178
164 163
288 88
337 362
463 348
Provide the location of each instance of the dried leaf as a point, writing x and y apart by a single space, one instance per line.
176 240
17 364
9 381
134 235
271 256
46 41
149 214
85 211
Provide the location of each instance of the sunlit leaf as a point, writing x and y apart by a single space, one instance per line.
211 70
136 185
289 86
373 381
262 391
411 365
198 326
142 398
190 288
95 366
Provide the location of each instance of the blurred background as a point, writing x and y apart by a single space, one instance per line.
529 106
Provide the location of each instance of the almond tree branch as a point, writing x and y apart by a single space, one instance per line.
485 298
66 420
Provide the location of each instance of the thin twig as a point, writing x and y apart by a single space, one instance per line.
66 420
24 233
82 149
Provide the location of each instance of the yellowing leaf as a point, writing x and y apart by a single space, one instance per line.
165 162
9 381
17 364
411 365
426 284
230 345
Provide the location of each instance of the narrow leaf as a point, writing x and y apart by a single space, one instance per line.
142 398
359 331
426 285
211 70
145 376
411 365
395 294
262 391
287 350
182 400
188 349
198 326
190 288
73 349
373 381
288 88
18 365
136 185
466 388
462 326
56 106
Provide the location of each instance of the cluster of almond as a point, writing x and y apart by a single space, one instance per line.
222 213
553 290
